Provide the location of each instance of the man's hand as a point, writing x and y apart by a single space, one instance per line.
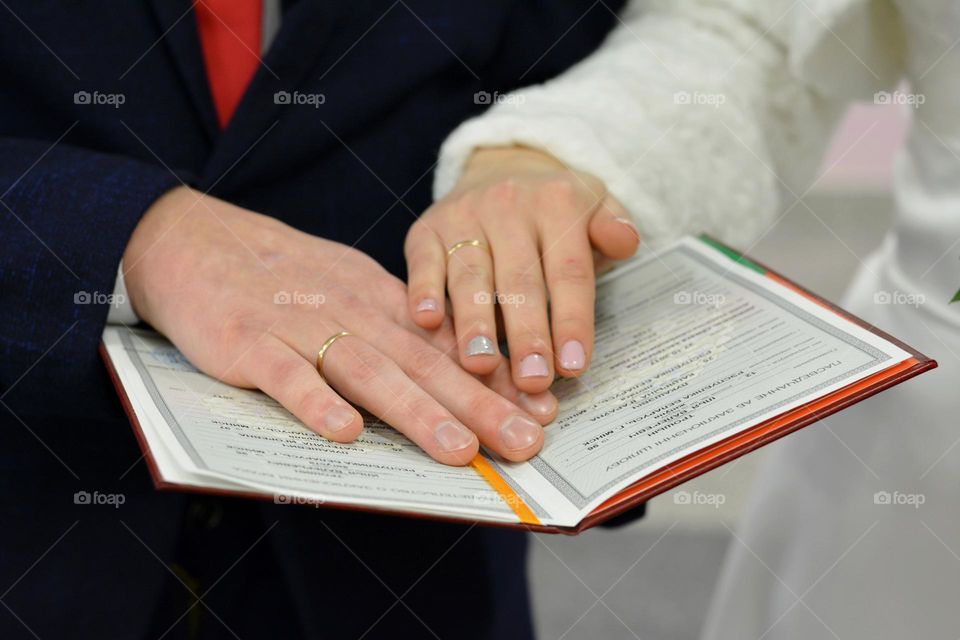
537 223
250 301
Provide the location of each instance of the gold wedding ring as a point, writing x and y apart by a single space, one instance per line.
323 350
480 244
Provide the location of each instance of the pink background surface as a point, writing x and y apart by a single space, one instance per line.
860 157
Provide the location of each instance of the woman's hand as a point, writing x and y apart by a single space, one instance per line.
536 222
250 301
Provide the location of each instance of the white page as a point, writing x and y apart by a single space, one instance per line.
207 433
691 348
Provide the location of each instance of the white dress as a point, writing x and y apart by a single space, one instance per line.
712 115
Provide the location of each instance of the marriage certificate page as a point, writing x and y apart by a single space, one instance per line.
691 348
207 433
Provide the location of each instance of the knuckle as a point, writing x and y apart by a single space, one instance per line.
503 193
424 265
365 366
522 279
311 405
348 301
421 408
560 189
422 362
282 373
238 326
465 205
470 278
573 271
480 403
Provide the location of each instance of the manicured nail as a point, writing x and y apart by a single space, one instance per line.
518 432
481 346
572 356
338 419
534 366
427 304
539 404
452 437
628 222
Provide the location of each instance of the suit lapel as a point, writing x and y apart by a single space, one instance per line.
298 45
178 27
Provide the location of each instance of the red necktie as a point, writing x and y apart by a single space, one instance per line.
230 39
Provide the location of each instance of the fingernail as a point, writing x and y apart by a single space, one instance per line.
534 366
338 419
427 304
452 437
518 432
481 346
628 222
539 404
572 356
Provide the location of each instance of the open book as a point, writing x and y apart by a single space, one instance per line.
701 356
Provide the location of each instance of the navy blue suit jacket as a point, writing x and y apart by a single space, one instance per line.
78 167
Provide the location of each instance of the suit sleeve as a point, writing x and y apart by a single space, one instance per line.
700 115
66 215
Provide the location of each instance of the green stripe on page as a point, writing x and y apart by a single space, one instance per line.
733 255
